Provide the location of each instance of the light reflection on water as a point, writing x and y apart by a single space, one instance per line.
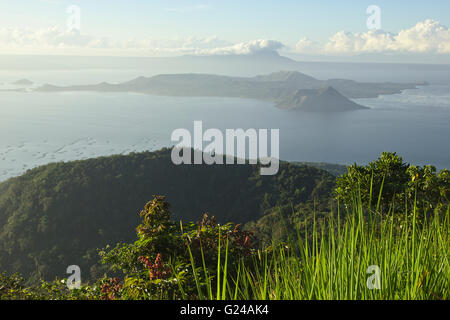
38 128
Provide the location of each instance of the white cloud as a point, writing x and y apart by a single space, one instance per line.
48 38
55 40
246 48
305 45
429 37
189 45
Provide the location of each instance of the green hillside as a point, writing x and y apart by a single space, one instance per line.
59 214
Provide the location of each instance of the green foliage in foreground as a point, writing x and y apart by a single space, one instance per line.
328 261
399 181
395 220
401 184
59 214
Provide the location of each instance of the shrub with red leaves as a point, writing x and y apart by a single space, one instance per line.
110 289
156 270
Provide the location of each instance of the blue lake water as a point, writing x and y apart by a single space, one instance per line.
38 128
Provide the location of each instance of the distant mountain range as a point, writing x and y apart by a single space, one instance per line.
289 90
23 82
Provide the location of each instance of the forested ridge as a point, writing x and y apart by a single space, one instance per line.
61 213
241 235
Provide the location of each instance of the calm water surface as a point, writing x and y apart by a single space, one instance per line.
38 128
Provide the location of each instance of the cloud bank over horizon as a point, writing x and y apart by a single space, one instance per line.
56 40
426 37
429 36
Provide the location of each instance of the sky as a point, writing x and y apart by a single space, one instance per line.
175 27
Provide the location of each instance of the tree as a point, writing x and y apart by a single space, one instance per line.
394 183
158 262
